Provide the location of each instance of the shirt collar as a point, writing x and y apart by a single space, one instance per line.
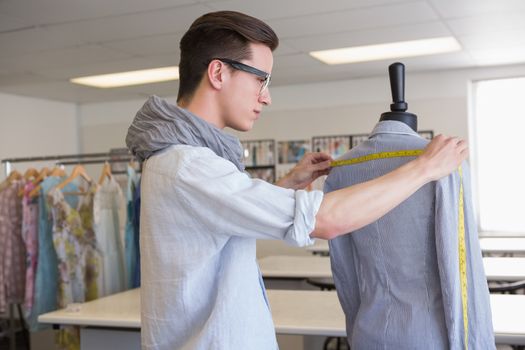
392 127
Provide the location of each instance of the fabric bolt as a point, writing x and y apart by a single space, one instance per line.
131 233
78 257
12 248
107 202
398 278
46 278
30 238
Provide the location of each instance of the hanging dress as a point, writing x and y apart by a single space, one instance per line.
30 238
107 202
78 257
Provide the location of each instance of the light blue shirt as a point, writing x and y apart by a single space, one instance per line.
46 275
398 278
200 218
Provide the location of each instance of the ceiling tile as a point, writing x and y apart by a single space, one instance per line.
106 67
272 9
61 58
370 36
44 43
467 8
284 49
61 11
150 45
11 23
345 21
493 40
486 24
33 40
501 56
131 26
8 79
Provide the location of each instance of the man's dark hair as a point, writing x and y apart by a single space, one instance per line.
225 34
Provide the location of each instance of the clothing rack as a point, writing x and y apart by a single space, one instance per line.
68 159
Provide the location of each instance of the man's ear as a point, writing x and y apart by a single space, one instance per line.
216 70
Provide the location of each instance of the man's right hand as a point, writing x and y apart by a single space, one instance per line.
442 156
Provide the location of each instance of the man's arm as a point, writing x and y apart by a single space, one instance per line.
351 208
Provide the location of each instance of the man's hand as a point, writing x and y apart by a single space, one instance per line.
307 170
442 156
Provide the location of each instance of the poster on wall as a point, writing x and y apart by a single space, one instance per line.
258 152
357 139
292 151
335 146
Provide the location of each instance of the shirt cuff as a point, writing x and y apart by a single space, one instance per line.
307 205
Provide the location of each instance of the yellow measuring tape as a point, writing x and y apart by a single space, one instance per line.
374 156
461 223
463 258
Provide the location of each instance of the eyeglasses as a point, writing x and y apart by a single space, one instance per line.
246 68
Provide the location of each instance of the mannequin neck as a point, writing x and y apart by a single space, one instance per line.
404 117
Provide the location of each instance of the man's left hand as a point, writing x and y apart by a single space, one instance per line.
309 168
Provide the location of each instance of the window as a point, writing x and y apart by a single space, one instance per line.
498 131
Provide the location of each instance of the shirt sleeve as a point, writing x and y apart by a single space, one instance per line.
227 201
480 329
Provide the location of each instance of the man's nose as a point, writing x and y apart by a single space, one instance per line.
265 97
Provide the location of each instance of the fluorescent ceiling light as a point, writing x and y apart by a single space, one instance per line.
136 77
387 51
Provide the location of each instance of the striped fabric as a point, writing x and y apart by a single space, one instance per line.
398 278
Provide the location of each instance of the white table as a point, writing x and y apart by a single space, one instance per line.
307 267
294 312
504 269
501 245
319 247
490 245
295 267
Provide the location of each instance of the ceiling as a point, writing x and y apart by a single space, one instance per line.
44 43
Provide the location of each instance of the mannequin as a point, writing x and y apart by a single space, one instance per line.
397 112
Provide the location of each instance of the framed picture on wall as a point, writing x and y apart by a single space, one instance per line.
292 151
358 138
335 146
258 152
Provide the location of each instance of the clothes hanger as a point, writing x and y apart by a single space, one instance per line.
78 170
42 175
38 177
106 172
31 173
13 175
56 171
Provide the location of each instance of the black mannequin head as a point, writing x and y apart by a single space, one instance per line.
399 106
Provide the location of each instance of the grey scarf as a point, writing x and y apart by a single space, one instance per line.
159 124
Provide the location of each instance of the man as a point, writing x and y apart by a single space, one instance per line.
201 214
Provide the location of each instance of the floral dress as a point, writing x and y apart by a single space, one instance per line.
78 256
30 237
12 249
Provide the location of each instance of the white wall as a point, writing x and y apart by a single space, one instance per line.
35 127
440 99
